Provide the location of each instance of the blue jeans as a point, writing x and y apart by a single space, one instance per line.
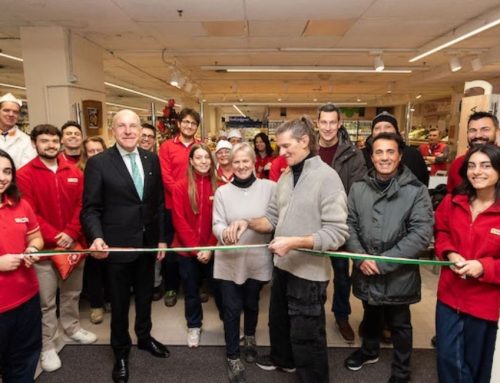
297 326
341 289
190 271
21 341
237 298
465 346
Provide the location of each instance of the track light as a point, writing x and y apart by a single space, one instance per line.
379 64
476 64
418 96
174 79
455 64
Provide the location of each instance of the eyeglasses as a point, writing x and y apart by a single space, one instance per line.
148 136
187 122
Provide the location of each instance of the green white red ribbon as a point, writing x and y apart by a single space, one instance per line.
334 254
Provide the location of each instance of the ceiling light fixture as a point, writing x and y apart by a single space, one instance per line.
136 92
455 64
378 64
476 64
239 110
418 96
12 86
11 57
481 28
301 69
174 79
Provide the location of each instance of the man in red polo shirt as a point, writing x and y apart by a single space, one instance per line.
435 152
174 158
54 187
482 128
71 140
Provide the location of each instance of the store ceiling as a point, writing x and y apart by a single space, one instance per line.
144 40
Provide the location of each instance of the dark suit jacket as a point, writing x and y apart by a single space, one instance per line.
112 209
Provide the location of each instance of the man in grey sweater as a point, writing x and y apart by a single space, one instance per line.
309 210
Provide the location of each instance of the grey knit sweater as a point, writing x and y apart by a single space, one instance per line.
316 206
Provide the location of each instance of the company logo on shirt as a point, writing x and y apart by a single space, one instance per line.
73 180
21 220
495 231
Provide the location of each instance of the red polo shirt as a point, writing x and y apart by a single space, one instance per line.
16 223
174 158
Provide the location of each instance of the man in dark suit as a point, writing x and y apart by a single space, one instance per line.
123 207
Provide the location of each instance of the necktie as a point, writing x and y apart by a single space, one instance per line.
136 175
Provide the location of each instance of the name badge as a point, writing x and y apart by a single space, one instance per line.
73 180
21 220
495 231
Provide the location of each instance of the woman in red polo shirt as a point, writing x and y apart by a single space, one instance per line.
263 155
20 313
192 199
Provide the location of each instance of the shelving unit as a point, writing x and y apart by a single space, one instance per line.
358 129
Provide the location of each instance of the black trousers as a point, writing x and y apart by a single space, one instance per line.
21 341
138 274
398 318
235 299
96 281
297 326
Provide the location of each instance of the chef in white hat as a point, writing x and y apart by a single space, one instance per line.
12 139
234 136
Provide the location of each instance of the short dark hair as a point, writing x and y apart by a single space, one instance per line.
300 127
392 137
145 125
478 115
67 124
12 191
45 129
493 153
328 108
190 112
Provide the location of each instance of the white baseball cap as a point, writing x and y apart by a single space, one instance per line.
234 133
223 144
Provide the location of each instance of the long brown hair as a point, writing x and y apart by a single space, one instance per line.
84 157
191 174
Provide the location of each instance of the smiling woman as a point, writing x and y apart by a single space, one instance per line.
20 313
467 232
192 198
241 273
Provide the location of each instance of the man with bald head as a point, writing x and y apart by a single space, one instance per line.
123 206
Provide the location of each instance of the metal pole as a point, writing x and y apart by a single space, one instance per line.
153 114
408 122
78 113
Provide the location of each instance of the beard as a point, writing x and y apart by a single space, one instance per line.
47 156
481 141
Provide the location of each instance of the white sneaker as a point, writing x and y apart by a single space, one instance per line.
84 337
50 361
193 338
